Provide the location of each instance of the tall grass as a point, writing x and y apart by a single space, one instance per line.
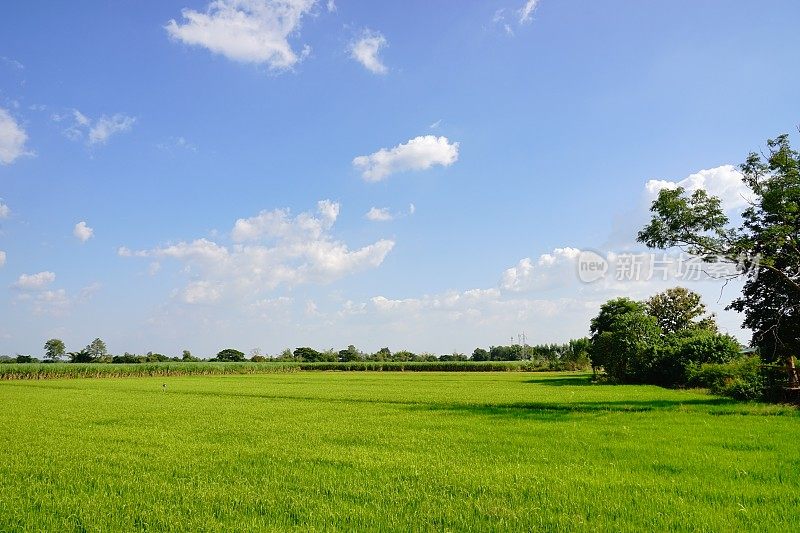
101 370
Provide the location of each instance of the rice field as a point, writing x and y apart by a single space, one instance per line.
391 451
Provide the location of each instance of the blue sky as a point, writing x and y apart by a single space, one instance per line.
520 132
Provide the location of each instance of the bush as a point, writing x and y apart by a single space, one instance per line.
690 347
741 379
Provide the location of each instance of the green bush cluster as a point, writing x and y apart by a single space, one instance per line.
659 340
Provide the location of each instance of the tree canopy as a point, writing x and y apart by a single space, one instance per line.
764 245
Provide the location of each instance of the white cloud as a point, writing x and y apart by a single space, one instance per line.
83 232
12 139
201 292
331 5
379 214
34 282
526 11
724 181
272 249
5 211
366 49
551 269
94 131
278 223
248 31
106 126
436 124
2 258
419 153
412 209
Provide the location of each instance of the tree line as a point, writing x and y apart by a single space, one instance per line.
573 355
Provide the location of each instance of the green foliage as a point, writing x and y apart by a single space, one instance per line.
479 354
765 246
230 355
96 350
305 353
689 348
678 309
350 354
741 379
604 325
54 349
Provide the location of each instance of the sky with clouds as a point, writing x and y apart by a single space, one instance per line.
419 175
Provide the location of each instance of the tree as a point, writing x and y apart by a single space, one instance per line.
607 321
188 357
479 354
764 247
230 355
304 353
350 354
54 348
82 356
96 350
679 308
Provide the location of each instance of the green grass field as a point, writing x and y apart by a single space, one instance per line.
391 451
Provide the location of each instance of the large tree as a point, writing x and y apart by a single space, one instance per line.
678 309
764 246
54 348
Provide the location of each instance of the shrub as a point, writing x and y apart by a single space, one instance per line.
690 347
741 379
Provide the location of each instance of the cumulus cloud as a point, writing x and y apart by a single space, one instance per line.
83 232
365 50
331 6
548 270
35 282
419 153
5 211
271 249
94 131
247 31
12 139
379 214
724 181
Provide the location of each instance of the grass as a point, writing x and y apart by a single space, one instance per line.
391 451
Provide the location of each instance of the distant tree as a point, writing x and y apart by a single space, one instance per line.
455 356
188 357
304 353
479 354
54 348
679 308
83 356
230 355
576 354
152 357
96 350
286 355
351 353
402 355
25 359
